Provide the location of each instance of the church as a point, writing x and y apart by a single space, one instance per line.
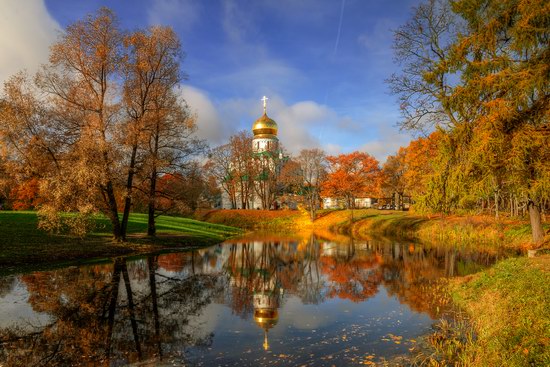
267 160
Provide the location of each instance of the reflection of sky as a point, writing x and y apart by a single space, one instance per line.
331 327
15 309
316 317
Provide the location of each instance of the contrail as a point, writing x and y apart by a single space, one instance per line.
339 28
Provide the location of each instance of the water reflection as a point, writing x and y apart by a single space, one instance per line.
253 301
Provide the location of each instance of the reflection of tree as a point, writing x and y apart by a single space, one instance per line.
109 314
412 273
310 288
354 276
143 310
6 285
78 304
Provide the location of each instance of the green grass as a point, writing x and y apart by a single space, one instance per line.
166 225
23 246
502 319
368 222
399 224
508 308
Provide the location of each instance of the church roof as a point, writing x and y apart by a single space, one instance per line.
265 126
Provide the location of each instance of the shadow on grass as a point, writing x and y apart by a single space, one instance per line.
397 225
24 247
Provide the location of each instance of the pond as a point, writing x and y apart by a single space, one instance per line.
261 300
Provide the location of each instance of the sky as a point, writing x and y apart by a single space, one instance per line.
321 63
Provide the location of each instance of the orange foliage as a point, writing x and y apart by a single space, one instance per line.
25 195
172 262
355 279
417 158
351 175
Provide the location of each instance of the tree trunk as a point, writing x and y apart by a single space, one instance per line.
151 227
152 265
113 211
536 223
131 311
496 204
128 199
312 206
115 282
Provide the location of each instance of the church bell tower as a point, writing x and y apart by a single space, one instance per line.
265 133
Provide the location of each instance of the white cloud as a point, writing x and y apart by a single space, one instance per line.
378 40
261 76
332 149
236 23
26 32
302 125
182 14
299 122
388 143
209 123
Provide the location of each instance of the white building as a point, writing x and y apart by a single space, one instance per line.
335 203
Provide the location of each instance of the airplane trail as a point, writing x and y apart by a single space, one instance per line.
339 29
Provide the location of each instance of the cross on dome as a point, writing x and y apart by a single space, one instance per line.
265 104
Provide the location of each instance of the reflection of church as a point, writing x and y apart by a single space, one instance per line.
266 305
255 276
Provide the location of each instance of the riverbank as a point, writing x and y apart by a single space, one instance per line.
476 231
505 321
24 247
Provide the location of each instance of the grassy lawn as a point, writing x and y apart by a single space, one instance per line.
507 308
23 245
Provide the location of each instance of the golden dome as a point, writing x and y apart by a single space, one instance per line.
264 127
266 318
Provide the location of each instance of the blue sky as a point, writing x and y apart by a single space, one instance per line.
322 63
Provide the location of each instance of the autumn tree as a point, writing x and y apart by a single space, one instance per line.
243 166
422 46
104 111
393 172
29 146
219 166
504 55
289 181
171 145
313 166
418 162
494 111
266 168
151 71
6 183
350 176
80 80
181 193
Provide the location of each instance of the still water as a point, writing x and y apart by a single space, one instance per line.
256 301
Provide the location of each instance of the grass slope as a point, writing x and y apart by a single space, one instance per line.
508 306
22 244
249 219
472 230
